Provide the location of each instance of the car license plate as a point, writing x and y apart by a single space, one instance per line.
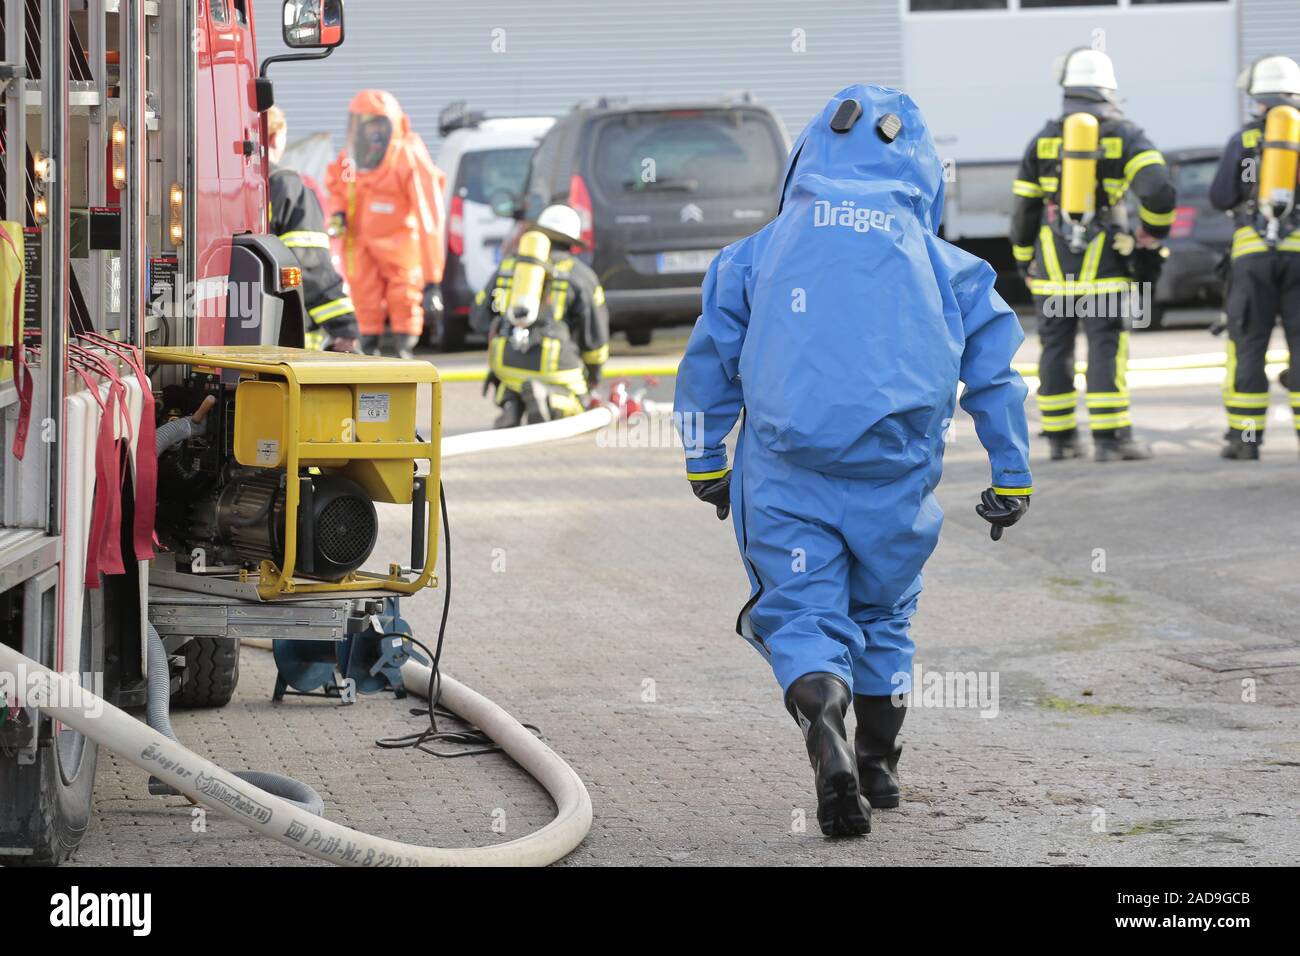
689 260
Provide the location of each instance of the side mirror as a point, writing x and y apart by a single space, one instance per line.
313 24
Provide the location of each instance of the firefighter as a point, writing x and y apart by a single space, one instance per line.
297 219
548 328
841 330
386 202
1256 179
1073 244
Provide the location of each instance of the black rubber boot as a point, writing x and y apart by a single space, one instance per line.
875 741
1237 448
818 703
1064 445
370 344
1119 445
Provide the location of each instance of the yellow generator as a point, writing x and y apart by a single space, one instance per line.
277 496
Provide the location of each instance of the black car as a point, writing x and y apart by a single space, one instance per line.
661 189
1200 235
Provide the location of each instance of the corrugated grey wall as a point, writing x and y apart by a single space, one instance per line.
506 56
1267 27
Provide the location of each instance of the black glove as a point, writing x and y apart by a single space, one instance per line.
1001 511
593 376
490 383
717 492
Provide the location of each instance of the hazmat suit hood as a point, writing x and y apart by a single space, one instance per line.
366 106
863 153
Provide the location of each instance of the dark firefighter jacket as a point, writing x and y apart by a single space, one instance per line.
1234 186
1129 161
297 219
568 343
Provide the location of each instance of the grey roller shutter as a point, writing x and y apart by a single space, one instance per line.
1267 27
550 55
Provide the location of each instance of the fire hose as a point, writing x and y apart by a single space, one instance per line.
293 823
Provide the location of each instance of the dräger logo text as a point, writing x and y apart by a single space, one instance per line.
76 909
848 214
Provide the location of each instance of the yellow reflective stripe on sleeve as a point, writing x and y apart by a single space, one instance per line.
1022 253
1148 157
331 310
1013 492
1155 218
302 239
1023 187
1048 184
708 475
596 356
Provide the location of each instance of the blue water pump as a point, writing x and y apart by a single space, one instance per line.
365 662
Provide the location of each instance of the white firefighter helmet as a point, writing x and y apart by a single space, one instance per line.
1271 76
562 223
1086 68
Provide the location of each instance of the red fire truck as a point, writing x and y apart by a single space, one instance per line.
139 281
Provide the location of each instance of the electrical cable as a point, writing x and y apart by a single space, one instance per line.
420 740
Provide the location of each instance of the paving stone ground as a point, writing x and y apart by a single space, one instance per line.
1146 713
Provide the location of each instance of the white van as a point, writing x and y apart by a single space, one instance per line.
486 162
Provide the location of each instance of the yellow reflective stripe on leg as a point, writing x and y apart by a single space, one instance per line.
1060 423
1107 422
1247 422
1230 369
1050 403
1121 364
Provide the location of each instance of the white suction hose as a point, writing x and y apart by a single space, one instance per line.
454 446
221 791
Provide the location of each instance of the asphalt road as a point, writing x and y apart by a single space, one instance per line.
1138 638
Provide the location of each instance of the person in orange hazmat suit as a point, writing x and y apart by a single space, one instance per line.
386 202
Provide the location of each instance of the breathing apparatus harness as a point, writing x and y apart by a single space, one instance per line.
1273 207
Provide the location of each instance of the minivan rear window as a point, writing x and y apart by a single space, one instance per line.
710 152
488 173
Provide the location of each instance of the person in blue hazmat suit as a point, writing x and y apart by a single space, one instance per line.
840 332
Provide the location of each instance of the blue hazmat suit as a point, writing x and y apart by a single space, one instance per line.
840 331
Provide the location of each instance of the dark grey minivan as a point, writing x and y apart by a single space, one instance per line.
661 189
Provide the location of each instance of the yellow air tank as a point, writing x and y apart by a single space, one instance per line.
1079 168
529 279
1277 167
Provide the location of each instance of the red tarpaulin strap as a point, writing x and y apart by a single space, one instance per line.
146 460
22 375
104 549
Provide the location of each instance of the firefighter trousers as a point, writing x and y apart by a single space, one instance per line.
1089 288
1263 287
